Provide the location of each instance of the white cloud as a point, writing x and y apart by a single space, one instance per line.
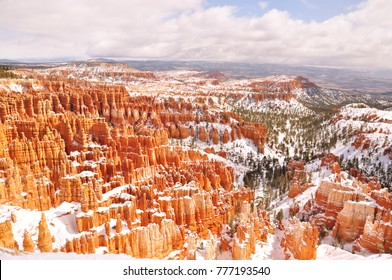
178 29
263 5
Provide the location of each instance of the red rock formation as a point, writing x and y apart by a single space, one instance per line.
358 141
44 236
257 133
118 224
369 183
324 191
296 188
251 227
298 178
202 134
300 240
286 85
336 200
331 162
377 234
225 136
296 169
85 244
294 209
382 198
214 135
154 241
6 236
211 249
356 210
28 243
190 250
109 150
351 220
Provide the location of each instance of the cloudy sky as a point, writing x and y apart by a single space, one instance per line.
348 33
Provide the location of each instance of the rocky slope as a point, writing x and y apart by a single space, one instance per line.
106 155
100 158
349 209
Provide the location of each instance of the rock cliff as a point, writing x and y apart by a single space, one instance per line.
6 235
44 236
300 240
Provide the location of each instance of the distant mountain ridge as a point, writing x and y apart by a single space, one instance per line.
362 80
328 98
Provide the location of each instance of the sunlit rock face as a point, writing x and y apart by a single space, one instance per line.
101 158
105 152
300 240
7 237
353 210
252 227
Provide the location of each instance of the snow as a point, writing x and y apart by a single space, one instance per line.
281 137
173 254
328 252
16 88
313 166
159 214
225 255
86 174
4 88
290 106
166 198
113 192
358 110
301 199
268 152
74 153
94 145
368 203
270 250
8 255
89 213
37 87
61 222
358 120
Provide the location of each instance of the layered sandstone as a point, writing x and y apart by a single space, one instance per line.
110 154
382 198
356 210
44 235
6 236
298 178
335 204
351 220
252 227
300 240
330 161
377 234
28 243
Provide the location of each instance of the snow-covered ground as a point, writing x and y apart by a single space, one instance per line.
373 127
61 222
11 255
328 252
270 250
